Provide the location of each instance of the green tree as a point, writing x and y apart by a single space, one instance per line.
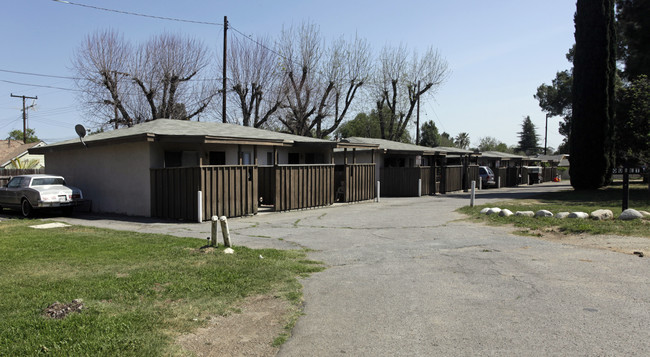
429 133
462 140
18 136
556 100
528 138
366 126
446 140
489 143
590 143
633 122
633 30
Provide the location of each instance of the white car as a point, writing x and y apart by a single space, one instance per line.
29 192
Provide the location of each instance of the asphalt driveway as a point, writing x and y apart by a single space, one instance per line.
408 277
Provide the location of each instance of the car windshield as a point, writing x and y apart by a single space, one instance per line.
45 181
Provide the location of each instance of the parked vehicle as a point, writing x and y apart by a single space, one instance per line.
31 192
487 176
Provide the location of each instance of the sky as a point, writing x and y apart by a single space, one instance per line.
498 52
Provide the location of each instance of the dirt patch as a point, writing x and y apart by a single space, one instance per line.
621 244
59 310
249 333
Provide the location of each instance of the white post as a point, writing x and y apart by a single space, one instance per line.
419 187
499 182
225 231
378 190
480 185
215 229
471 200
199 204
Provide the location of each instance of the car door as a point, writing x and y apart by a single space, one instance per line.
10 195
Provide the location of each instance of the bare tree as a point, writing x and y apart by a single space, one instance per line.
400 81
255 80
320 82
158 79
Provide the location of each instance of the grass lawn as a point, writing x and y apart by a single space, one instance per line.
572 201
139 290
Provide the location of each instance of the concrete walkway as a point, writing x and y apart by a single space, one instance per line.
408 277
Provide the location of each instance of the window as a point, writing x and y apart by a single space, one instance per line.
310 159
173 158
269 158
15 182
217 157
294 158
48 181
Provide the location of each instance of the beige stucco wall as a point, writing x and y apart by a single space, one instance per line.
115 177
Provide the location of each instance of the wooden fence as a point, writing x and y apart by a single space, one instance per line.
509 176
6 174
303 186
229 191
549 174
226 191
399 181
452 178
473 175
359 182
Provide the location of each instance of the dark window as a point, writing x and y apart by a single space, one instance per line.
311 159
15 182
173 158
294 158
269 158
217 157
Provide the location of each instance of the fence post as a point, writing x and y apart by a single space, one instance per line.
499 182
199 206
225 231
480 184
471 200
420 187
378 190
215 229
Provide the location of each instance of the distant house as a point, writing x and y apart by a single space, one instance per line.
410 170
159 167
17 150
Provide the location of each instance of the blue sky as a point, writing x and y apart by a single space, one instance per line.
499 52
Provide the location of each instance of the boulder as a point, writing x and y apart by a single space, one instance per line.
579 215
630 215
494 210
646 215
525 213
562 215
602 214
484 210
505 213
543 213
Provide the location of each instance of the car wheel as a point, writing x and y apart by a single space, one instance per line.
26 208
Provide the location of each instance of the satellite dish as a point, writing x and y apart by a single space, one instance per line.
81 131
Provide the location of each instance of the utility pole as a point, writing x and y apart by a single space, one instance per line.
417 120
24 114
225 47
545 135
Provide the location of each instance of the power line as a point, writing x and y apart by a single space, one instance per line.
139 14
39 85
37 74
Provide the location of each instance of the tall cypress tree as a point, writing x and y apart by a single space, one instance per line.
590 144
